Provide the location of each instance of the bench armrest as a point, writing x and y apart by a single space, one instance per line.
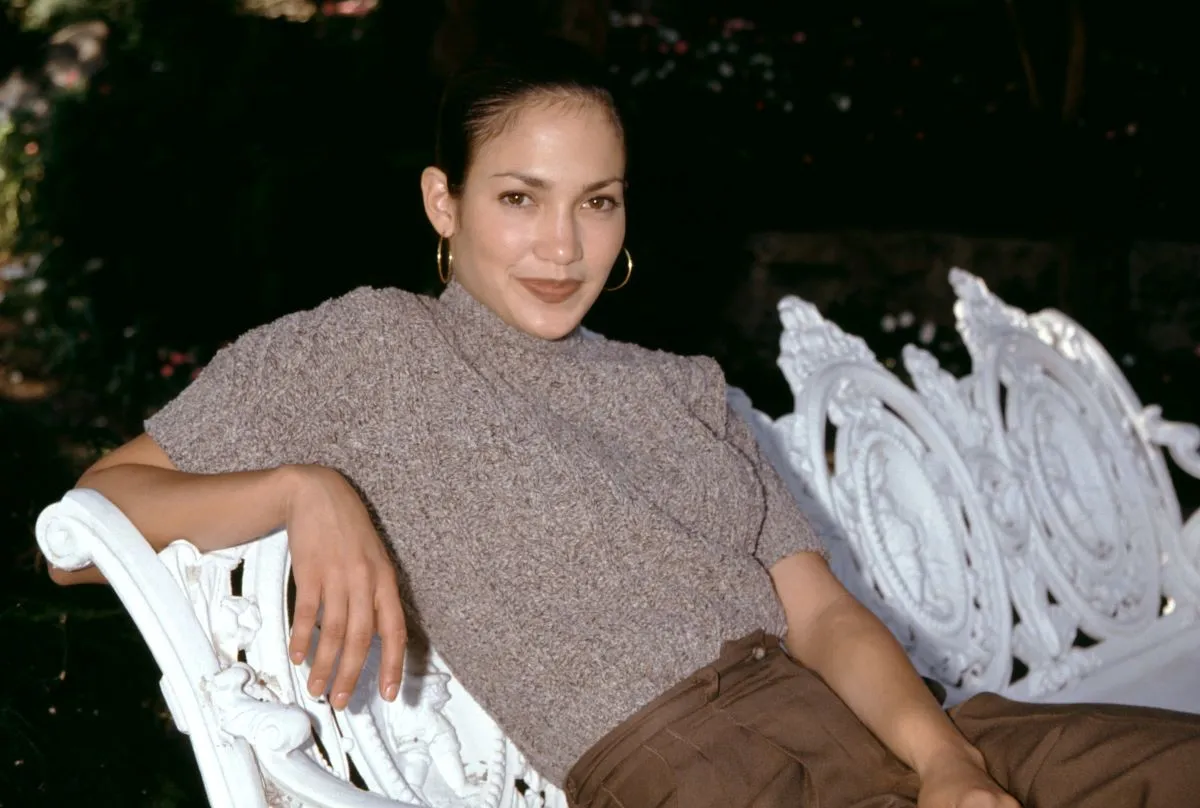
234 731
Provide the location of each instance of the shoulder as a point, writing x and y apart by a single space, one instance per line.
365 308
690 378
357 319
333 339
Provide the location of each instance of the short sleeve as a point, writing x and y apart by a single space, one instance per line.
279 393
785 530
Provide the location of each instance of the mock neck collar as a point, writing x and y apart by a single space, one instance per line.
473 320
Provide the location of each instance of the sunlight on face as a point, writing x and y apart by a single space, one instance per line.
541 219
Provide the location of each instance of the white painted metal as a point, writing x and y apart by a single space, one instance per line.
1035 487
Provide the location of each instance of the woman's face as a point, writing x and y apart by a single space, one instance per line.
541 217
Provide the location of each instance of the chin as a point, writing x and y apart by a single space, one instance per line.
550 322
553 328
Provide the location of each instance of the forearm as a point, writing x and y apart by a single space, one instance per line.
863 663
212 511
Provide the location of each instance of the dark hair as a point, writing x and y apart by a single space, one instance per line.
482 99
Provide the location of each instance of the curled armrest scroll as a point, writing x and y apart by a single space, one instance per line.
65 539
84 527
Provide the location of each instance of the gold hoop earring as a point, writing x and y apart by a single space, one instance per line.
628 273
449 272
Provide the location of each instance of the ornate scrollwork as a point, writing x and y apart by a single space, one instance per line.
1181 440
1058 675
231 621
810 343
1060 415
1045 631
924 546
1181 556
979 313
411 748
62 539
249 712
427 745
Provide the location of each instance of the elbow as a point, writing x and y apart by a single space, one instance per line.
62 577
87 479
105 478
822 636
85 575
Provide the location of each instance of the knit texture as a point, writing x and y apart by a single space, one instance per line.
579 523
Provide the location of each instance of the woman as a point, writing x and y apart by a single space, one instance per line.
585 530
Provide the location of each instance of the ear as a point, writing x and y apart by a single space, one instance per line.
440 205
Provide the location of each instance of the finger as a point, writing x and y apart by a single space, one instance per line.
333 634
304 618
389 622
360 628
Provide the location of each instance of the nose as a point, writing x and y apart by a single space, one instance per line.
558 240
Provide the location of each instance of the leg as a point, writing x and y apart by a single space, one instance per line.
1086 756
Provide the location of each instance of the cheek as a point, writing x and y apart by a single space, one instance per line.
500 235
604 238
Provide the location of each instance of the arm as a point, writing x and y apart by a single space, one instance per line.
834 635
340 566
213 511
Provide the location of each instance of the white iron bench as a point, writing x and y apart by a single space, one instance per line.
1017 529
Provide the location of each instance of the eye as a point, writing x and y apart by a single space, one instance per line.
602 203
514 199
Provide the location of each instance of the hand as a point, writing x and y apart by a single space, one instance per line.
960 782
341 569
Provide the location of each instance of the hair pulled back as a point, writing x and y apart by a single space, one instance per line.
484 97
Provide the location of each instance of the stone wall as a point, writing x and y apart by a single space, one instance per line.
1152 288
1141 299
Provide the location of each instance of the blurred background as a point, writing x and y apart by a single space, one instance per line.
173 172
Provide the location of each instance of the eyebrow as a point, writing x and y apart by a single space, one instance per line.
538 182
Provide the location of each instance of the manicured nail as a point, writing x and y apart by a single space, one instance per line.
391 691
317 687
297 657
341 700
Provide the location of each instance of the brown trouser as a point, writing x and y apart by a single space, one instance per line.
756 730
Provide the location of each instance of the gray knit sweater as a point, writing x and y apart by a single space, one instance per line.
579 523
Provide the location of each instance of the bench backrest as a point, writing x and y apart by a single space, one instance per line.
1016 528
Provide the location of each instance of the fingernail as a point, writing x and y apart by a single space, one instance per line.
297 657
390 692
317 687
341 700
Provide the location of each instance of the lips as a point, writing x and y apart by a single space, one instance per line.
550 291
